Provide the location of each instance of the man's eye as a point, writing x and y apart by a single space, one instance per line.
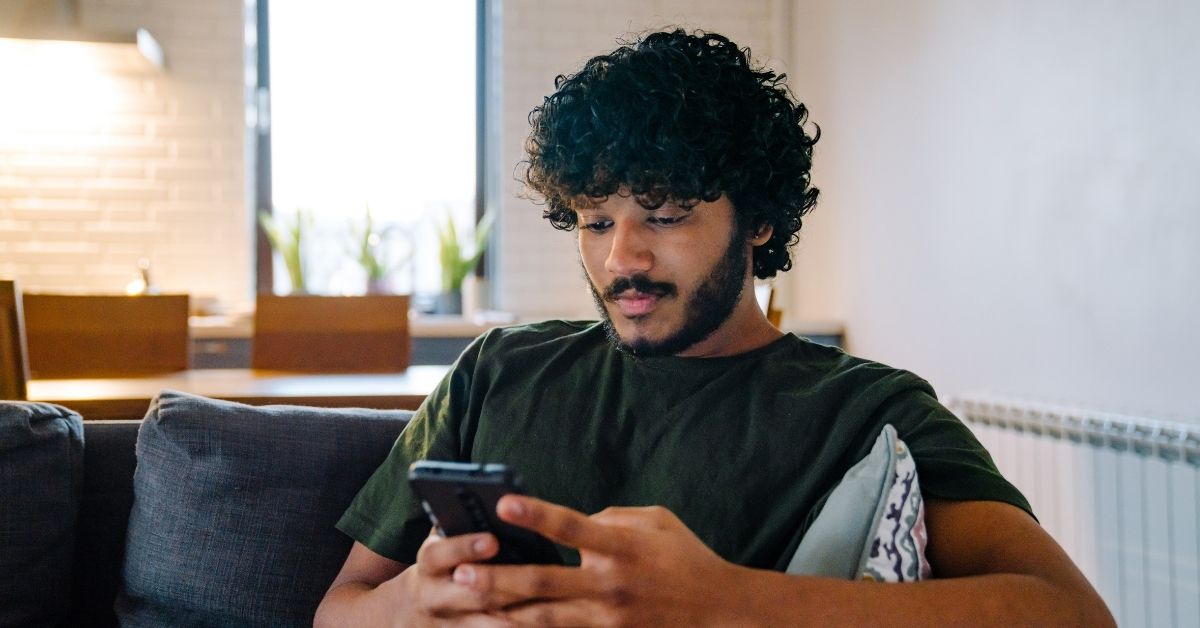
596 225
666 220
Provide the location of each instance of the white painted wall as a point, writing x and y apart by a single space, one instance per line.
1009 194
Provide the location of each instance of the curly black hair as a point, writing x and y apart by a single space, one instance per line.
679 117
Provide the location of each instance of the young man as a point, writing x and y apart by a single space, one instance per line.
683 445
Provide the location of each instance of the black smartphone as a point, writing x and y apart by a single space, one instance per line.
460 498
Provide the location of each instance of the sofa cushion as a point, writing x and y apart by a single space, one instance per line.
41 476
234 509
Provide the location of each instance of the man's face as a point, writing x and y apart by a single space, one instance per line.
668 281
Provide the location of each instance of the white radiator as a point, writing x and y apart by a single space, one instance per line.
1121 494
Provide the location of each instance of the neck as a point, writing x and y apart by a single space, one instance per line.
746 329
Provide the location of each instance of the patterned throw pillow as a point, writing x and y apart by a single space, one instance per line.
872 526
897 553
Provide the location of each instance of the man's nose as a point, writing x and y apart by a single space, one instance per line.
630 252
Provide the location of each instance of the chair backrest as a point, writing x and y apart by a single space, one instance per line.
106 336
363 334
774 312
14 365
766 295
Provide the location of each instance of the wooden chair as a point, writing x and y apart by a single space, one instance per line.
14 366
766 296
71 336
359 334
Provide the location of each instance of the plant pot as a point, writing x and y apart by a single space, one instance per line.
448 303
379 286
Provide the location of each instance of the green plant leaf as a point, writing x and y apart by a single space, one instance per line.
288 243
456 267
369 247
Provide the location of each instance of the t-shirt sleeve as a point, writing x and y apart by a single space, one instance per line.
386 516
951 462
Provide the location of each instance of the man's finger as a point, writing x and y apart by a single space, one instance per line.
644 517
480 620
439 556
560 613
509 583
563 525
444 598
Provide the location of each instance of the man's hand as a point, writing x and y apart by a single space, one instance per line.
429 592
640 566
368 591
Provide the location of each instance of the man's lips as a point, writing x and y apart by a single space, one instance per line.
637 295
633 303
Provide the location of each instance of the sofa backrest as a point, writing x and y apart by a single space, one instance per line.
108 465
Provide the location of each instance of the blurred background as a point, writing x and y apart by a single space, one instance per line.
1007 194
1007 205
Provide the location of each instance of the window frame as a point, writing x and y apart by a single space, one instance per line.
263 193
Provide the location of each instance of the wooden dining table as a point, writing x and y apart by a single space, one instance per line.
129 397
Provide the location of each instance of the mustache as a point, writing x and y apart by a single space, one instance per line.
639 283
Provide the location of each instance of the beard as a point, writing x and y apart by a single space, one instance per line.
706 310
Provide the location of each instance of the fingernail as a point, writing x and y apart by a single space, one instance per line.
464 575
480 545
514 507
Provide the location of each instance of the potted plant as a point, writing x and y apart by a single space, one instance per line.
370 250
287 241
456 262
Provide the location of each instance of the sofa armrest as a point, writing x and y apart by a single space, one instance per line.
41 472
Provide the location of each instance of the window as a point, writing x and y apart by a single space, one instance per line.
371 104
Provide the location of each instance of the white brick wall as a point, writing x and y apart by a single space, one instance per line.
98 171
539 274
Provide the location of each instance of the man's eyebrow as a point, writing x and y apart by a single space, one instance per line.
671 203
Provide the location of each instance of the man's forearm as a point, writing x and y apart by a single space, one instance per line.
767 598
349 604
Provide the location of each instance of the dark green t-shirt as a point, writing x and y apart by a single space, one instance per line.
744 449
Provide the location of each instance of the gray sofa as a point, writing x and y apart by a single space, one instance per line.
206 513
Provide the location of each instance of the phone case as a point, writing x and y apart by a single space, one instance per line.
460 498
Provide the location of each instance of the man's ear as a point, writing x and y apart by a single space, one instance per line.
760 236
